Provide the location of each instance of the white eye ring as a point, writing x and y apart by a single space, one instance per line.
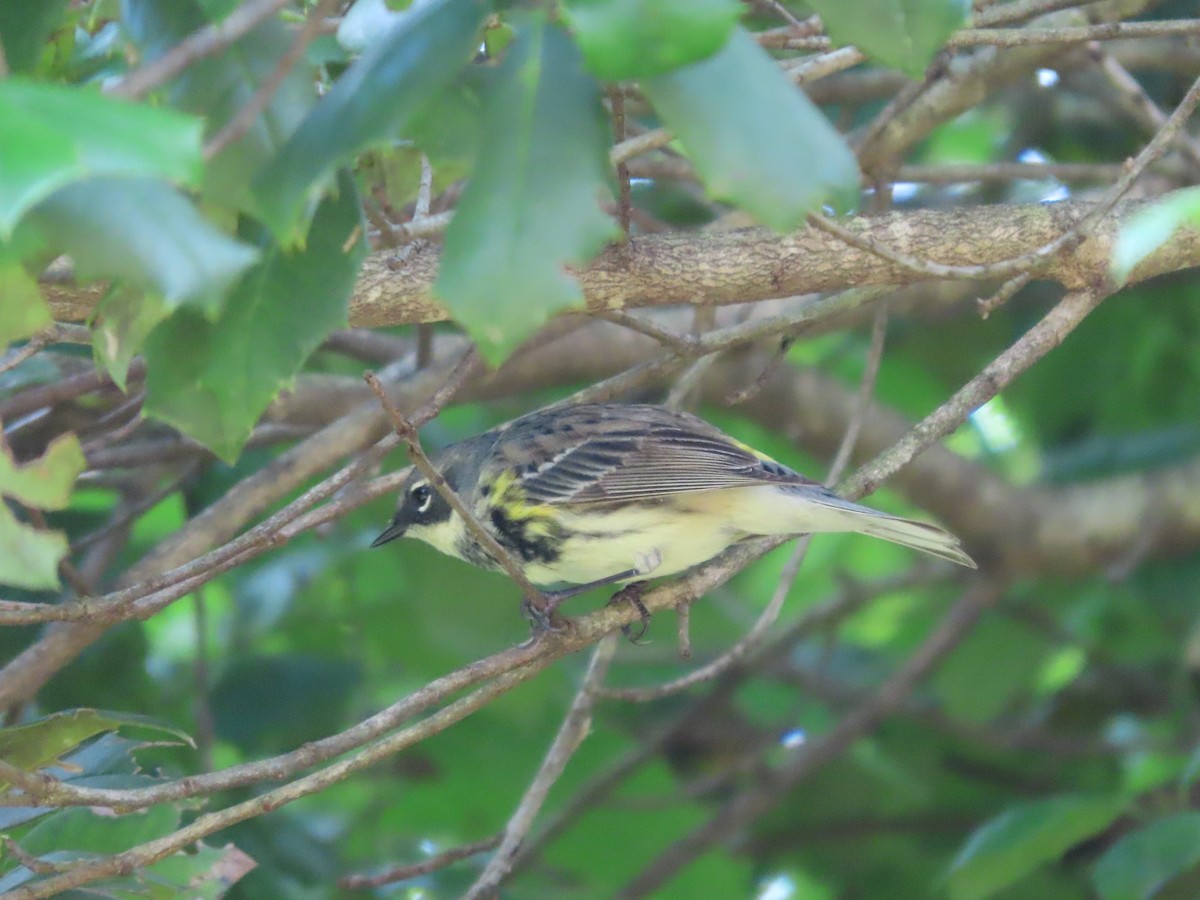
422 495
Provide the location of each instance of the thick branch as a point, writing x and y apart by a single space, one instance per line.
753 264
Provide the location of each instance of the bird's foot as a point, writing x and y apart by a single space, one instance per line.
632 594
544 619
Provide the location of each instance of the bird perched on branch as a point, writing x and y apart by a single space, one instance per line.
611 493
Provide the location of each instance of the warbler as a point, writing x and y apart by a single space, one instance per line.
605 493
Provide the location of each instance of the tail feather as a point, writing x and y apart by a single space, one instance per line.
917 535
845 515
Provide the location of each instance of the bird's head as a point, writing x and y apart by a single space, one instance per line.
422 512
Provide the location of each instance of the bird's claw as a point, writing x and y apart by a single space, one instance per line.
632 594
542 620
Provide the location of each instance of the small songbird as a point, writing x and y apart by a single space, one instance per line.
609 493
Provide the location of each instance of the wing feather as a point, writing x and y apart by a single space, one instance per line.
604 453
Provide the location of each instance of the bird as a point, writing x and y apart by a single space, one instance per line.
594 494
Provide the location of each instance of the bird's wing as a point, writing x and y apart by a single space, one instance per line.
620 453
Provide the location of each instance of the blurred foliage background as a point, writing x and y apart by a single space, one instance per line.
1052 753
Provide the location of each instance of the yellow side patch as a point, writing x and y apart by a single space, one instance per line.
507 494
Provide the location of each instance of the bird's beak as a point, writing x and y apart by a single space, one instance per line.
390 533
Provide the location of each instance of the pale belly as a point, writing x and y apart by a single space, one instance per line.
629 537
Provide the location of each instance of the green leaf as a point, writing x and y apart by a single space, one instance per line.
47 482
1152 227
24 28
23 311
531 206
624 39
84 831
371 102
52 135
905 34
143 232
41 743
28 557
754 138
1023 838
106 762
213 380
365 22
120 325
1140 863
38 744
204 874
218 86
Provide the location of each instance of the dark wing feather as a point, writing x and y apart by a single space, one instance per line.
605 453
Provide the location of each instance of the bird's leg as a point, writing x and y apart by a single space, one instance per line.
632 594
646 563
555 598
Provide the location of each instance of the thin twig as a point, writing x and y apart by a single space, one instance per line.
202 711
862 403
51 334
125 513
1004 293
1142 107
424 190
739 651
853 597
570 735
1039 340
204 42
682 344
748 392
1032 260
65 389
147 596
261 99
616 101
389 235
415 870
151 851
775 784
1008 171
1077 34
1018 11
34 864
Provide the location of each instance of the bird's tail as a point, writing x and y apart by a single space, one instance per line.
845 515
918 535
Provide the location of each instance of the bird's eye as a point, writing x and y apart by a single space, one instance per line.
422 497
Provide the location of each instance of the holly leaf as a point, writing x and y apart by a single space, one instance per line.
904 34
627 39
371 102
531 208
213 379
1023 838
754 138
52 135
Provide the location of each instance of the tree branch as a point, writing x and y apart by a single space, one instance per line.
717 268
